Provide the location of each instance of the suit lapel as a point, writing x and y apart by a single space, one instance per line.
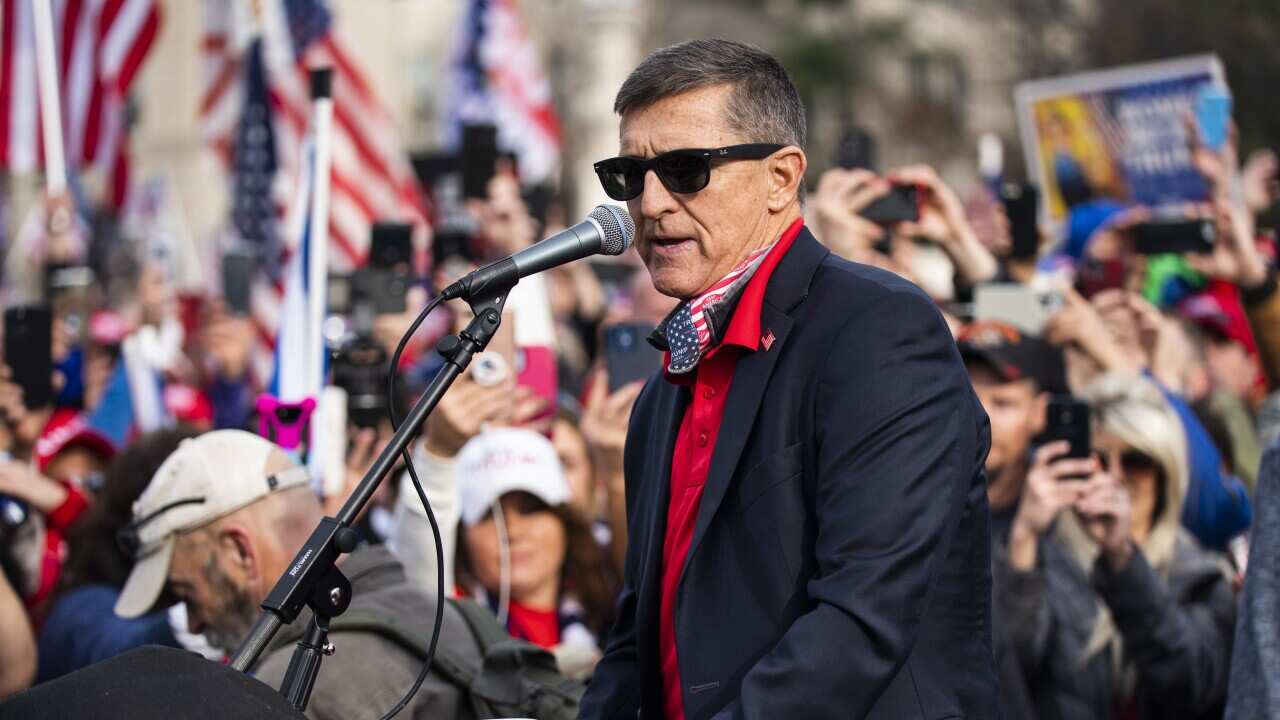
787 287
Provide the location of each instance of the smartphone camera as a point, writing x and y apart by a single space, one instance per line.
489 369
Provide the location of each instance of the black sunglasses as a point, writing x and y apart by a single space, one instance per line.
1131 461
681 171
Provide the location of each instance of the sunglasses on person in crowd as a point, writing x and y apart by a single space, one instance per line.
683 171
1131 461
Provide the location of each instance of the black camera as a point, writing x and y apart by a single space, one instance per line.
360 368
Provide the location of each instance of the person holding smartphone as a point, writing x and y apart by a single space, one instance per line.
1113 607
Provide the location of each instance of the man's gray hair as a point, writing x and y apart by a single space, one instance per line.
764 106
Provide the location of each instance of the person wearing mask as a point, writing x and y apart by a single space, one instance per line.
80 627
220 523
1113 608
527 552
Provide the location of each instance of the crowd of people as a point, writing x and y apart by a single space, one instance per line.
1117 574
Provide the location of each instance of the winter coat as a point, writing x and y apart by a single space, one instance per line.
1175 633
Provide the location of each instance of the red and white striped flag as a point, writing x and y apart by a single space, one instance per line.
371 178
100 46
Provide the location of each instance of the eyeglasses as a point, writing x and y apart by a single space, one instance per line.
681 171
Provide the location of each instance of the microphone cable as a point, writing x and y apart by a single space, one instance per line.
426 505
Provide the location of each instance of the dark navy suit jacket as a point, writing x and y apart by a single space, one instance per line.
840 562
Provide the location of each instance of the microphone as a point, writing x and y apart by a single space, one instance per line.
606 231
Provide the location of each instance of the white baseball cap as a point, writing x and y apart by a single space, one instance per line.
206 478
504 460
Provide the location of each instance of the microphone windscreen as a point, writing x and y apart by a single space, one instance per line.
617 226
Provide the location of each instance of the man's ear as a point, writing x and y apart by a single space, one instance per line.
786 172
239 548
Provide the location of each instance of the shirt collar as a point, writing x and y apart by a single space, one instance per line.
744 325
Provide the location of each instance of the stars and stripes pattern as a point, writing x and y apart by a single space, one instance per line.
371 178
100 47
253 165
498 80
689 333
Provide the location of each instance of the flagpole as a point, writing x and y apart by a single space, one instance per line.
55 162
318 249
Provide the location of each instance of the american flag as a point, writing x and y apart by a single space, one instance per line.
498 79
253 165
100 46
371 178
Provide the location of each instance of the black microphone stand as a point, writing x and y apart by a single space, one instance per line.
313 579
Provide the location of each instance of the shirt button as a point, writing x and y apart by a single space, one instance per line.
702 439
709 393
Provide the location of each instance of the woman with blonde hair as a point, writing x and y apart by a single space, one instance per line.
1113 608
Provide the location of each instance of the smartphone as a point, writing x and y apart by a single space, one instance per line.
901 204
1213 116
391 246
1017 304
1195 236
447 243
857 149
1022 206
1068 419
430 167
67 289
28 351
384 291
238 268
478 159
627 356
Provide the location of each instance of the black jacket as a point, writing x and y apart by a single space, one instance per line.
1255 665
839 566
1176 633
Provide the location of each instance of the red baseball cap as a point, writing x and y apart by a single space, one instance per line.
68 428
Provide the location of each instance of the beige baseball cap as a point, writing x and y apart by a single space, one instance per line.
206 478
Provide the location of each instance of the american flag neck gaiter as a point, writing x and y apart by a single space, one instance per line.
699 324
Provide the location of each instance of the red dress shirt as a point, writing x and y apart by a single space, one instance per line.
695 443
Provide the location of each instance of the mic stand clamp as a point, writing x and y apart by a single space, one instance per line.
330 599
312 579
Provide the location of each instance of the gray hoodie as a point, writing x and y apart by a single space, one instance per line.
369 673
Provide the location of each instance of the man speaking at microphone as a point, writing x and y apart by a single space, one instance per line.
807 514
